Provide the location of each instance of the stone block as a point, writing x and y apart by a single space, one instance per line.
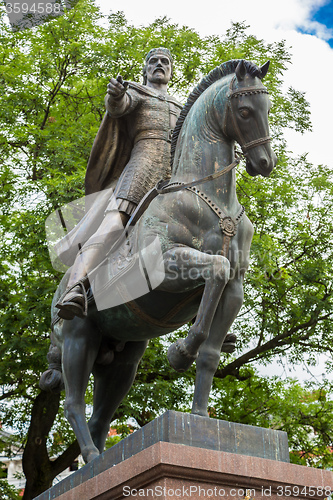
179 455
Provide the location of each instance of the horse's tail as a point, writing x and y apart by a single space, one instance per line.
52 380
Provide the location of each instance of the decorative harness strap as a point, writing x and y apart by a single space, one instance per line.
228 225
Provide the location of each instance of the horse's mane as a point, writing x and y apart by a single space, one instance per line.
215 74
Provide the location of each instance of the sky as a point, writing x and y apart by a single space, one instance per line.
307 27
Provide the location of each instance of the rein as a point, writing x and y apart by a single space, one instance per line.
163 188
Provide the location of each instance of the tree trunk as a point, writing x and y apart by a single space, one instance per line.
38 468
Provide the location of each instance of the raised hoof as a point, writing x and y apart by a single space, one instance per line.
179 358
229 344
89 454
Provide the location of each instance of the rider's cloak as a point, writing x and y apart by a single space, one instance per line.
109 155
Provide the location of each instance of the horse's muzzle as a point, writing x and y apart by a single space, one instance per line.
263 167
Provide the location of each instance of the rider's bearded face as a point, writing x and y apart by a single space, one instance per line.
159 69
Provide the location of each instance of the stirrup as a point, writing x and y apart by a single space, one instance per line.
70 309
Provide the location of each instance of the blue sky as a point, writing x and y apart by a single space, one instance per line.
324 16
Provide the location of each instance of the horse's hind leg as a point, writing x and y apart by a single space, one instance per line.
80 348
111 384
188 268
210 351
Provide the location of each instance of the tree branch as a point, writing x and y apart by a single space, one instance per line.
65 459
279 340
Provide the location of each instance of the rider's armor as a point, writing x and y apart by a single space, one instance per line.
150 118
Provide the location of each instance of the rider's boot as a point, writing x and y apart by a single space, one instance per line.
73 304
74 301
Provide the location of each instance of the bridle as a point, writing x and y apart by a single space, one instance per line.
164 187
234 93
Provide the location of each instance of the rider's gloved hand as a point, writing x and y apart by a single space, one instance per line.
117 87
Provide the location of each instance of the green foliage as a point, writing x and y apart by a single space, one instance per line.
8 492
289 286
53 81
157 387
304 412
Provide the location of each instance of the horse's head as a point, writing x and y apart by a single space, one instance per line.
246 118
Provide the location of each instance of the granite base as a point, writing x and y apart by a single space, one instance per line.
184 456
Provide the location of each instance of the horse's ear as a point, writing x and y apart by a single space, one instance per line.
264 69
240 71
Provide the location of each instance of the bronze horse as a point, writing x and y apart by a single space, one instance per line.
204 239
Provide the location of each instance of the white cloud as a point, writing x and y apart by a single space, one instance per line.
262 15
320 30
312 72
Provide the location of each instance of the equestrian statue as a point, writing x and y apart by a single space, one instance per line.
188 239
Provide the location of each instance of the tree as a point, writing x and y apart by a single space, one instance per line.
53 80
53 84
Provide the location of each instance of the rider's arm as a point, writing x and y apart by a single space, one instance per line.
119 100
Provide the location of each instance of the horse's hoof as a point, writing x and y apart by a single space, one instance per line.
89 454
179 358
200 413
229 344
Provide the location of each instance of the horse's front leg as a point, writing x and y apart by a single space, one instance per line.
81 343
187 268
210 351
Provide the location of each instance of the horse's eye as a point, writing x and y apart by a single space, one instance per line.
244 112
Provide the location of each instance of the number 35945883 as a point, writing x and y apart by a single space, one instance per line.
34 8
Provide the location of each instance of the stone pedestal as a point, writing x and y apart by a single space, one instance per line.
182 456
